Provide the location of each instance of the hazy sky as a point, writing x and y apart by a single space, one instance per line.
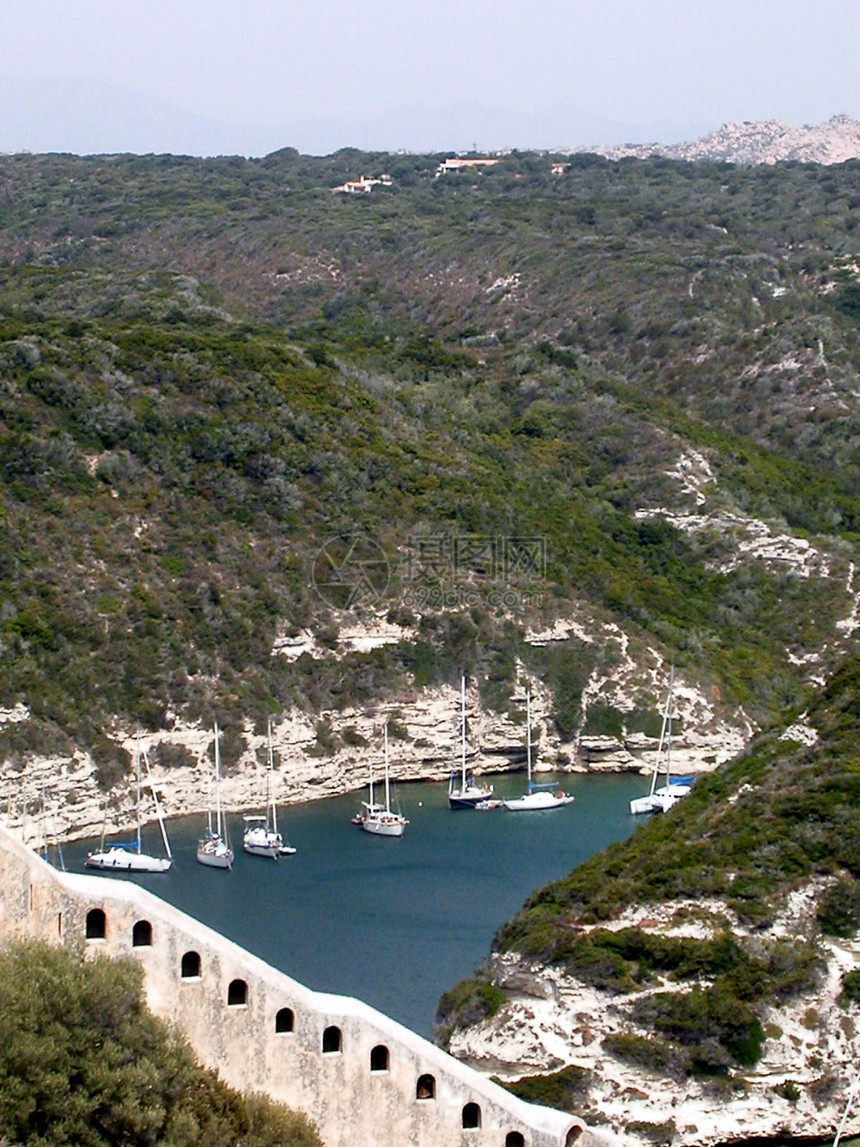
250 76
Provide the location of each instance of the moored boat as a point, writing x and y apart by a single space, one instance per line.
129 856
261 836
380 819
214 849
537 798
468 793
663 797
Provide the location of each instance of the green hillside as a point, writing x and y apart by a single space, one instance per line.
209 368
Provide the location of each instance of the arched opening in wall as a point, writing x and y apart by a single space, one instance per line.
572 1136
332 1040
514 1139
471 1117
426 1087
379 1058
237 994
96 924
141 934
190 969
59 925
284 1021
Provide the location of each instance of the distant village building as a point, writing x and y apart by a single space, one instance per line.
362 185
455 164
560 168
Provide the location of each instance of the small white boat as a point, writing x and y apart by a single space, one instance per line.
379 819
468 794
538 798
214 849
261 836
663 797
130 857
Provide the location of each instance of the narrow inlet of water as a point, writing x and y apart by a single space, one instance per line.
394 922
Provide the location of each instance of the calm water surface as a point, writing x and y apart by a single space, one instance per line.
394 922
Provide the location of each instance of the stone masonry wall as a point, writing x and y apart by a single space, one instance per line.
361 1077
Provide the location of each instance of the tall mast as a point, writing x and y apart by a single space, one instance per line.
137 771
669 709
529 737
463 724
661 742
387 796
158 811
269 770
217 783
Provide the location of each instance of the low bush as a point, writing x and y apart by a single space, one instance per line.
649 1053
660 1134
850 993
839 908
701 1016
467 1003
566 1090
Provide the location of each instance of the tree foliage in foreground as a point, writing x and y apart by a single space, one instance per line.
83 1061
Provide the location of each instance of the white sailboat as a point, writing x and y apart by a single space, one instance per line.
214 849
662 798
468 794
129 857
261 836
379 819
538 797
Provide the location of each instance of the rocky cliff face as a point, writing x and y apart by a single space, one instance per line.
770 141
423 738
798 1088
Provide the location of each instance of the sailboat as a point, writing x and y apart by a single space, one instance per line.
538 797
379 818
261 837
214 849
129 856
468 794
662 798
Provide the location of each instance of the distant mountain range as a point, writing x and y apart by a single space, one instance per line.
771 141
89 117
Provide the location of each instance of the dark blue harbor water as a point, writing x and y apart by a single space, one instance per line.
393 922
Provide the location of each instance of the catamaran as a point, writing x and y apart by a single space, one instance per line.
538 797
662 798
261 837
129 856
379 819
468 794
214 849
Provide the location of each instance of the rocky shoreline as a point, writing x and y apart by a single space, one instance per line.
60 797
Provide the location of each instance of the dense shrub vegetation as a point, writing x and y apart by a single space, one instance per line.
210 367
82 1061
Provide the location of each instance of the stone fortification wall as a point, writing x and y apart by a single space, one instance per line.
363 1078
